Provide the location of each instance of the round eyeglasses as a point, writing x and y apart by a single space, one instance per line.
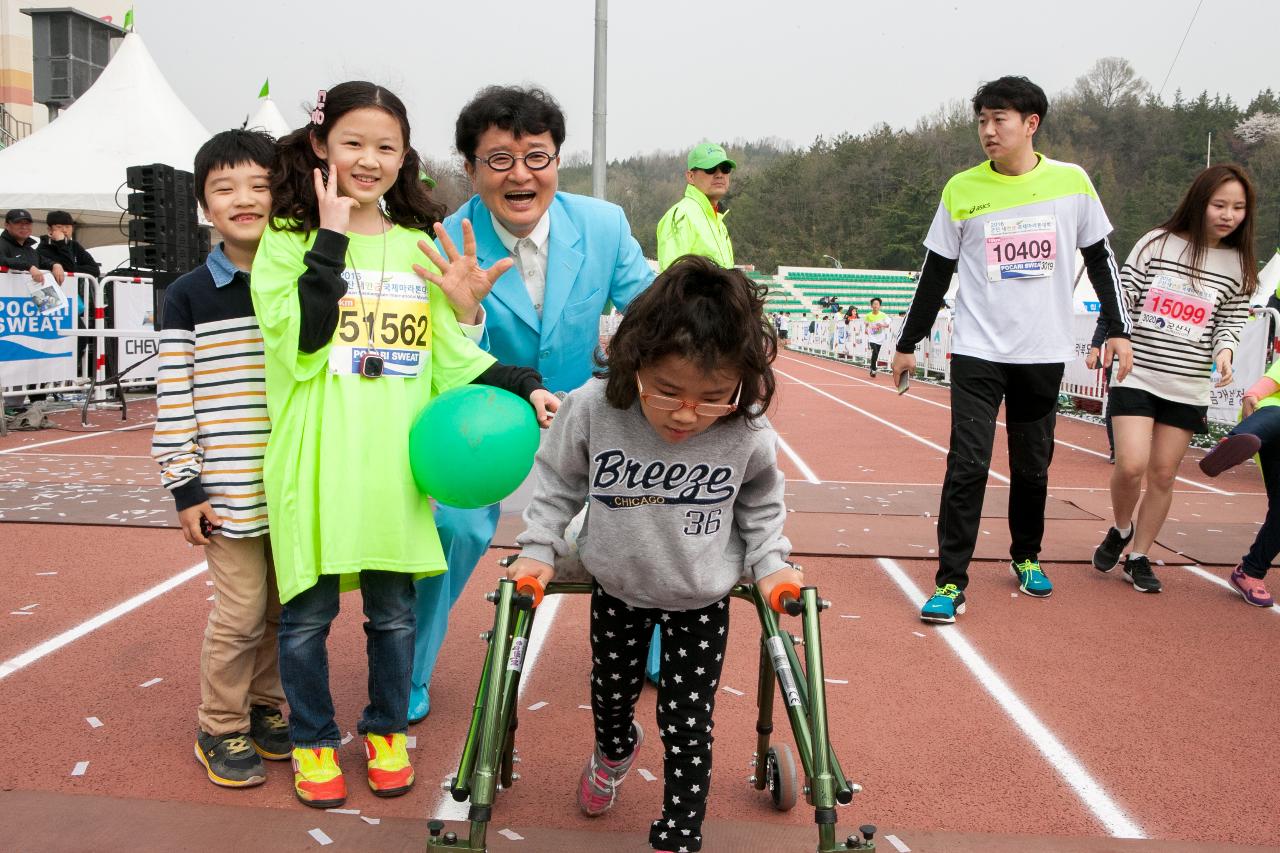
534 161
674 404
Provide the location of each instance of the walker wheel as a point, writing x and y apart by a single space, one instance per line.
780 771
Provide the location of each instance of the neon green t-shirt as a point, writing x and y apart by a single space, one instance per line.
877 327
340 495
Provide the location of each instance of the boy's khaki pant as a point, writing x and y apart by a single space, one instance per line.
239 664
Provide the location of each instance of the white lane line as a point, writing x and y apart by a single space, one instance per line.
14 664
799 463
1056 440
890 424
447 808
1053 488
1212 578
1090 792
20 452
897 844
25 447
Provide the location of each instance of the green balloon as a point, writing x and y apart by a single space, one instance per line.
473 446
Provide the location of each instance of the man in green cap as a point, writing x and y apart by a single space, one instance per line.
695 224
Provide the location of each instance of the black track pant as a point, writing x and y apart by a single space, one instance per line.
1030 395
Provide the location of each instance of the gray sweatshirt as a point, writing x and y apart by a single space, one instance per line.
669 526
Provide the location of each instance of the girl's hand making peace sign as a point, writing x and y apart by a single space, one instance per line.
461 277
335 210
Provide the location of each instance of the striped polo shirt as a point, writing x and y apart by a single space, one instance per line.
211 420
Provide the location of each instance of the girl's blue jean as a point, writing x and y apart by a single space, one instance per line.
1265 424
304 657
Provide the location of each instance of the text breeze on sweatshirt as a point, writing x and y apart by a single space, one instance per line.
669 526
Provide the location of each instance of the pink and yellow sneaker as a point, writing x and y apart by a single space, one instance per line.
390 772
317 778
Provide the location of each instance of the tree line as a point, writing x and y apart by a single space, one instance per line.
868 199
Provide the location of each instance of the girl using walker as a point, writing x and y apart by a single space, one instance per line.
670 449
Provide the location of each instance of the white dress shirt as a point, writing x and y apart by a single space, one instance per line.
530 255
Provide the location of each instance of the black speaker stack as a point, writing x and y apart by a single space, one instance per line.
164 234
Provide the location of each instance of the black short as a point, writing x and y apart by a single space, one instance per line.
1143 404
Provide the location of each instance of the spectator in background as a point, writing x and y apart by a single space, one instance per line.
60 247
694 225
20 252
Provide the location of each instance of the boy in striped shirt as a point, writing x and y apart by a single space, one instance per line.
211 431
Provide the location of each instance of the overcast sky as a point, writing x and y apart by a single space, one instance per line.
682 70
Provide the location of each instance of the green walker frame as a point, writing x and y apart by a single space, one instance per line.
489 753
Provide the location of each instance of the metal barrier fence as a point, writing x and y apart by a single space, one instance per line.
831 337
41 351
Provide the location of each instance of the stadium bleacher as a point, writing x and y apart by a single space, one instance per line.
796 290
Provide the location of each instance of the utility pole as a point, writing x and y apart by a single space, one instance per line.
598 115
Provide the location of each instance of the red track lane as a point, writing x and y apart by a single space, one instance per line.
1071 468
1138 686
97 568
1159 697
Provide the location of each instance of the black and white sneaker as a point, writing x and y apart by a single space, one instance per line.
1138 571
1106 555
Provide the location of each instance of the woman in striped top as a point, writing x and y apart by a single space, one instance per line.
1187 286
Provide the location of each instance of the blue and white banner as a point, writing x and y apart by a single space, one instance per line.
31 350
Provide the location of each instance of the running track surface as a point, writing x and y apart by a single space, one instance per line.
1066 723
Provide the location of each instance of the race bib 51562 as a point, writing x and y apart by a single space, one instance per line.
396 326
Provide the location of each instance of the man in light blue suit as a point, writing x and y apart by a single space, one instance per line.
572 255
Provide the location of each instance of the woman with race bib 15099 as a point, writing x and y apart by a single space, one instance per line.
1186 286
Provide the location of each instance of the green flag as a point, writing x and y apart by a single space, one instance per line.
266 89
128 21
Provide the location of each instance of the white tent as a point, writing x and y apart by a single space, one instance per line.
129 116
269 118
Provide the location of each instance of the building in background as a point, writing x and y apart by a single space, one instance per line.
80 47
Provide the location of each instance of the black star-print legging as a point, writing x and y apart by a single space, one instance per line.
693 644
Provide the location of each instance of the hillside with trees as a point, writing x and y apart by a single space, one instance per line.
868 199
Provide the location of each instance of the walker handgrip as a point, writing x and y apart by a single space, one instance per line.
782 595
530 586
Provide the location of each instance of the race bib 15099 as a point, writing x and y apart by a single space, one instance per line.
1173 306
1026 247
391 318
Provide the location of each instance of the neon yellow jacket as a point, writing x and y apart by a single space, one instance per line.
693 227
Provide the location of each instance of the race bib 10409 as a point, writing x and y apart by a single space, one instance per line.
1173 306
395 325
1021 248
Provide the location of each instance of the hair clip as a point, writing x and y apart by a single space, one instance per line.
317 115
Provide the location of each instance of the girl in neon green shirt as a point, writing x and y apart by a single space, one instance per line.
360 332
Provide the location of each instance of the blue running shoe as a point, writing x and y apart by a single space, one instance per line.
1031 579
946 602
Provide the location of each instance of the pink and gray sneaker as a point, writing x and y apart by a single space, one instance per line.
601 777
1253 589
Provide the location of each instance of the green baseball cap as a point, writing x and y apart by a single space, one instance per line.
707 155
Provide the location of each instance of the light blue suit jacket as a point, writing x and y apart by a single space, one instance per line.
591 259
